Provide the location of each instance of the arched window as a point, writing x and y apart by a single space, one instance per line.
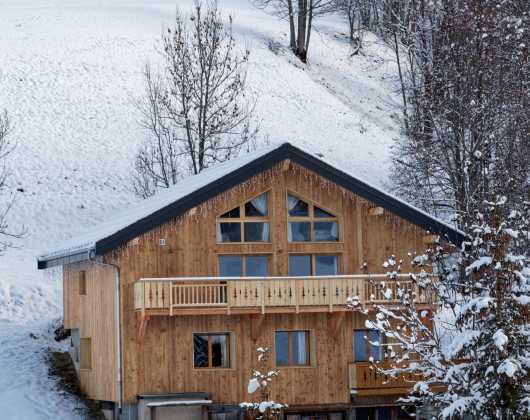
248 222
309 223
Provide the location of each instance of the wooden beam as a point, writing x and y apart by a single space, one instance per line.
335 321
285 165
376 211
430 239
142 326
256 321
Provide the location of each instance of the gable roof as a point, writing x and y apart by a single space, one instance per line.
196 189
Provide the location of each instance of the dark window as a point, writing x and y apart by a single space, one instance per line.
292 348
230 265
326 231
211 350
363 347
257 207
229 232
256 232
231 214
82 282
365 413
322 213
299 232
297 207
326 265
257 265
300 265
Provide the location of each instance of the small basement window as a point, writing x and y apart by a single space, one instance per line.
82 282
249 222
85 353
211 351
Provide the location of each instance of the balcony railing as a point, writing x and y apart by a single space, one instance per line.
267 294
365 379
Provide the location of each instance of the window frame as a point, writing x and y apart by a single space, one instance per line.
309 347
229 356
244 263
311 219
314 261
243 218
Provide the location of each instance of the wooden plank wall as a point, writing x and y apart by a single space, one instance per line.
94 315
158 364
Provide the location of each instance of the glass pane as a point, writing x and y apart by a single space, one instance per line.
326 231
230 265
257 206
326 265
384 413
257 265
359 345
219 350
365 413
282 348
200 351
257 232
322 213
299 265
297 207
300 354
299 232
234 213
376 351
229 232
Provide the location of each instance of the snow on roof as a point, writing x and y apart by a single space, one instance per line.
86 243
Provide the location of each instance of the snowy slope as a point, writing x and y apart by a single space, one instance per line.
69 72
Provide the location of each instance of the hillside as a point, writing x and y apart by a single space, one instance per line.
69 75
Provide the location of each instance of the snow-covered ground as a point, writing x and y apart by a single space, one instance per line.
69 73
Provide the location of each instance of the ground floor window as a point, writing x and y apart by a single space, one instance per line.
292 348
315 416
211 350
384 413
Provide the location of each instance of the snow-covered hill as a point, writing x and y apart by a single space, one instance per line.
69 73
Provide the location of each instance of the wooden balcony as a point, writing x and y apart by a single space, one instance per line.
231 295
366 380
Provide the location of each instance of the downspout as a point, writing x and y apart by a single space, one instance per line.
119 376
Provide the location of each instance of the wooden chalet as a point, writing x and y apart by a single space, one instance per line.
168 302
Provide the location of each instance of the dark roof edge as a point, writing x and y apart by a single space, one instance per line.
75 257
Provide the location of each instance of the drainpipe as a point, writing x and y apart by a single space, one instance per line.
117 292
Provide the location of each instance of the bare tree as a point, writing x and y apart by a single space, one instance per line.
197 109
7 198
300 14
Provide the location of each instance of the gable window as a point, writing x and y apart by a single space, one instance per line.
310 223
292 348
313 265
365 347
243 265
248 222
211 350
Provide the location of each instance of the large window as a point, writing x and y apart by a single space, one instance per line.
292 348
367 345
248 222
211 350
313 265
310 223
243 265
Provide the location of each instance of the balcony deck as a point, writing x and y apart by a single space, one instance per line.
233 295
366 380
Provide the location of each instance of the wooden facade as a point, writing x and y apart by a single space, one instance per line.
159 357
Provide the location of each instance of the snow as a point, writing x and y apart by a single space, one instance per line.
253 385
500 339
70 72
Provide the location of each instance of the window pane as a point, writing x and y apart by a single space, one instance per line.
257 206
322 213
299 265
257 265
230 265
326 231
234 213
229 232
299 231
300 354
282 348
359 345
219 350
376 351
257 232
297 207
200 351
326 265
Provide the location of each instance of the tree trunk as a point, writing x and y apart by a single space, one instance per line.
292 33
302 22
